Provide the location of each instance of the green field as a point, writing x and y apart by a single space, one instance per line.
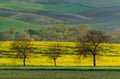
60 7
59 74
97 3
51 12
16 4
21 6
16 74
6 23
67 8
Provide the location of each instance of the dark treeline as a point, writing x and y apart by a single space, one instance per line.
59 32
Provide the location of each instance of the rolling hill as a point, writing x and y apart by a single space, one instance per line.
96 3
6 23
99 14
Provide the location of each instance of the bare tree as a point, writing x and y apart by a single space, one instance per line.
91 44
54 52
23 47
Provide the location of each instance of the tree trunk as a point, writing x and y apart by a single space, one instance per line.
55 62
94 59
24 61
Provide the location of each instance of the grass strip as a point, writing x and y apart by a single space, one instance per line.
63 68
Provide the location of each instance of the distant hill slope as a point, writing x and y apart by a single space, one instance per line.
6 23
100 14
72 6
107 19
51 5
106 12
43 17
65 18
96 3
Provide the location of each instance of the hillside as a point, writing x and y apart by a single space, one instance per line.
96 3
6 23
100 14
60 6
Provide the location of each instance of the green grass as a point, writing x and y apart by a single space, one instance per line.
68 8
58 74
22 6
60 7
6 23
99 3
60 68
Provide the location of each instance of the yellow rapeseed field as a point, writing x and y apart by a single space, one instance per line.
107 58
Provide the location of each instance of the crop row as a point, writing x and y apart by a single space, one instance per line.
110 57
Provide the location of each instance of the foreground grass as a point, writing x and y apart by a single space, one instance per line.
59 73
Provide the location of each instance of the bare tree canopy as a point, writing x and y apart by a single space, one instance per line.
23 47
54 52
90 43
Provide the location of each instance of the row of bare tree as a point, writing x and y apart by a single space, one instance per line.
90 43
